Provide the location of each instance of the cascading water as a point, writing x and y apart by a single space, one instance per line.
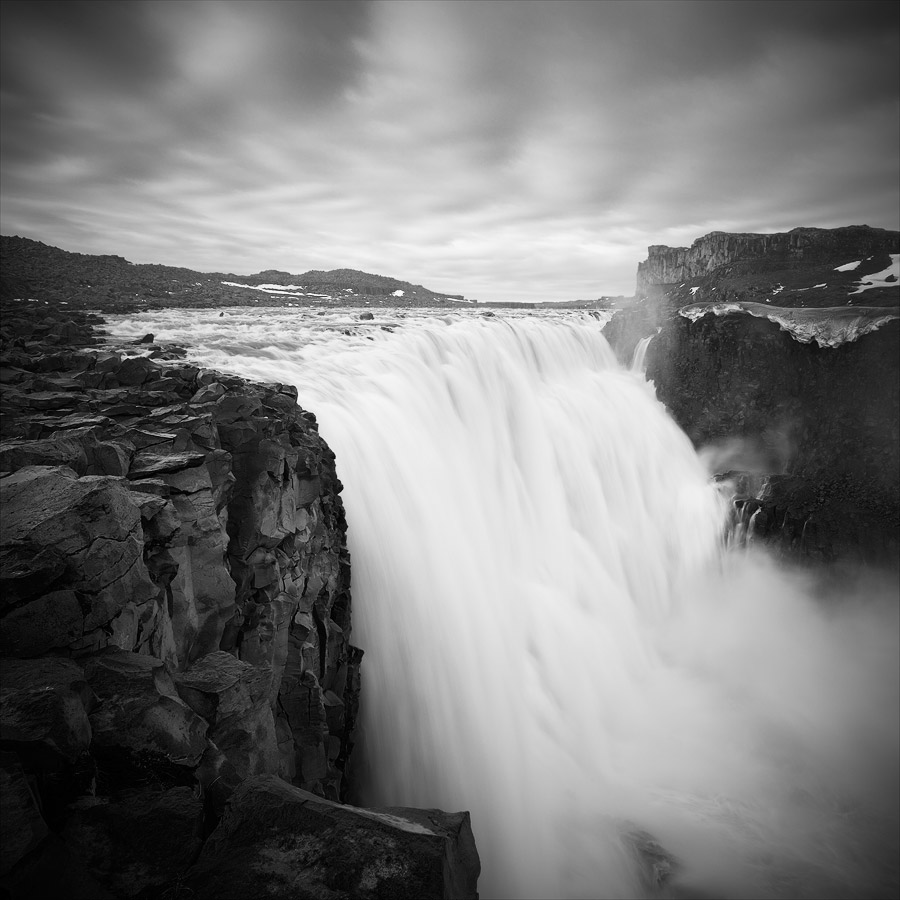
555 637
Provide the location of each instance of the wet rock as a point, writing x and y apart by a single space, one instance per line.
277 840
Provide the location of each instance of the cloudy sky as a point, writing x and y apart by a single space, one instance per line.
504 150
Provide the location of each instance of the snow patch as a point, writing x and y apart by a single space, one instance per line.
397 294
847 267
888 277
694 290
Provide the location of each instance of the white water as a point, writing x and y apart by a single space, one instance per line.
555 639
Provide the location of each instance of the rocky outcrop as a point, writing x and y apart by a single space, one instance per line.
818 426
797 407
174 610
763 257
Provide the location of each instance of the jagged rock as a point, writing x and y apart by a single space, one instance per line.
141 463
218 686
22 827
137 841
78 448
139 709
27 570
92 521
148 462
279 841
44 710
202 589
233 697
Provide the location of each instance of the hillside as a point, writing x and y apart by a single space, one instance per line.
31 269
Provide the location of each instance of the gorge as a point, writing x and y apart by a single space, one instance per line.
564 634
544 604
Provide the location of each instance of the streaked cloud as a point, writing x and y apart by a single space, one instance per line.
505 150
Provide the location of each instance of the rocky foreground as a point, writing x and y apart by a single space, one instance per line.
178 684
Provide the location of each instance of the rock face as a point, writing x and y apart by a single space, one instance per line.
803 262
174 611
799 405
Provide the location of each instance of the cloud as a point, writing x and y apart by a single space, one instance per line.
504 150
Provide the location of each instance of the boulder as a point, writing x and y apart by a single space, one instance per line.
279 841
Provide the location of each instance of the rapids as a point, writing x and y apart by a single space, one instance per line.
557 637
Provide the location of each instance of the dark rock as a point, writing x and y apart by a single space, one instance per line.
93 522
28 570
53 620
148 462
140 710
137 841
22 827
44 710
279 841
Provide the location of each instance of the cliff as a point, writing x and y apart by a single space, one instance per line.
779 355
802 267
178 684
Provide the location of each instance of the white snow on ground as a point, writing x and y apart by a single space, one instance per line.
284 290
820 285
779 289
828 327
268 288
397 294
880 279
694 290
848 267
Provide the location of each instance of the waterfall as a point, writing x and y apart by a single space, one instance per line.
556 637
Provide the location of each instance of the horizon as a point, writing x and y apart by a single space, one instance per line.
510 152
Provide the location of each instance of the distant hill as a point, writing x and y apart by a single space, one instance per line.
804 267
31 269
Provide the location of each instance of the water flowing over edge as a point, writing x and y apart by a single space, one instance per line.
555 640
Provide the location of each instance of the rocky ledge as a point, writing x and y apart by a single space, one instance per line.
178 684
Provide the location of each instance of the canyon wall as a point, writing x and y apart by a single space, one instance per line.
773 354
175 625
811 433
798 248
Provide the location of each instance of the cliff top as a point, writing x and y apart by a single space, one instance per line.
804 267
